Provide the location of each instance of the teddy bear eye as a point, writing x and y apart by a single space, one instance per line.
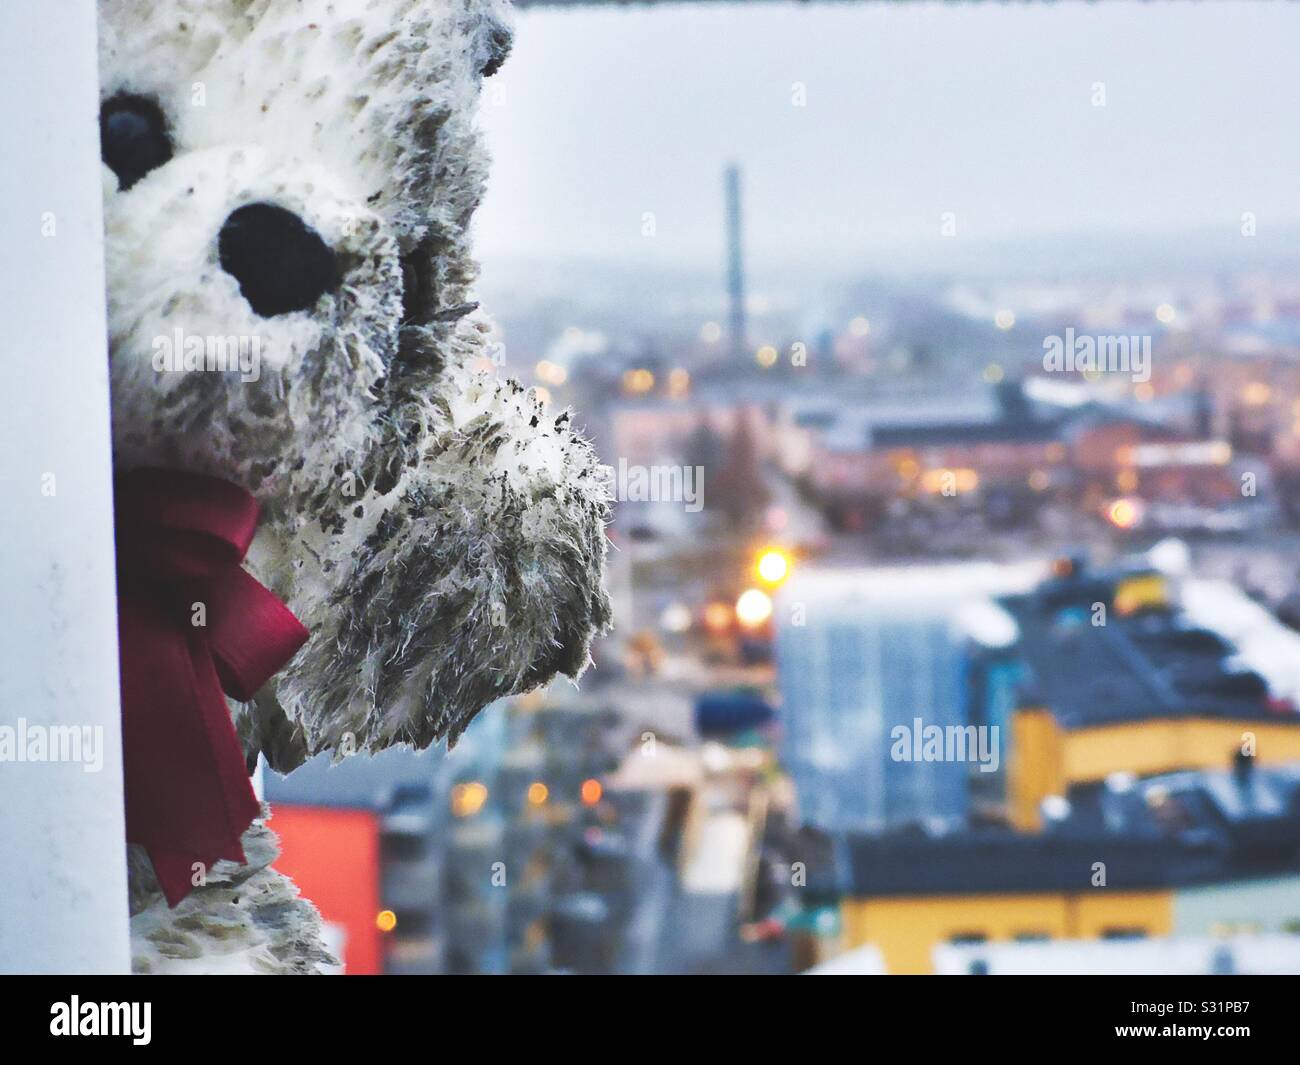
133 137
281 264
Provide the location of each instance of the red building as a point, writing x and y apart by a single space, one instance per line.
333 857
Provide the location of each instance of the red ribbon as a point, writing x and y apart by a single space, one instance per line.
180 540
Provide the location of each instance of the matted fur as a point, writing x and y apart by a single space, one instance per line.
438 531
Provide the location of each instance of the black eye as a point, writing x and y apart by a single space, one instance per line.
133 137
281 264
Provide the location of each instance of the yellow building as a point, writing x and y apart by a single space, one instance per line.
1139 785
908 892
1124 682
906 929
1050 759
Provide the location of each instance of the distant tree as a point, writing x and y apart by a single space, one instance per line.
738 490
703 448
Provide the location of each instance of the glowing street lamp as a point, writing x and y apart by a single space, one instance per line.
1123 513
773 565
468 799
753 608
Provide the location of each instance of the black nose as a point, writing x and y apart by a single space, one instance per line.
281 264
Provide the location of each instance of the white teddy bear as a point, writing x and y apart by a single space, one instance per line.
289 185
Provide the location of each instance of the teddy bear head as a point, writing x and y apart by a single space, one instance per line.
288 191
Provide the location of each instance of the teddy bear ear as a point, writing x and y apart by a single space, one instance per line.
379 93
496 46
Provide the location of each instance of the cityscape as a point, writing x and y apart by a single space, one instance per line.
956 631
660 488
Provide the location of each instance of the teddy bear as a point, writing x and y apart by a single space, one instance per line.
288 191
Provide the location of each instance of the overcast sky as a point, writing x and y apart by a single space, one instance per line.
911 111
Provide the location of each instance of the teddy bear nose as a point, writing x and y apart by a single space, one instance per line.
280 262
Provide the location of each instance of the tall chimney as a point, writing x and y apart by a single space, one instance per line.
735 263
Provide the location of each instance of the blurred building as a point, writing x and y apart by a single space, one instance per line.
1007 449
505 855
332 854
1147 777
863 654
1120 679
365 840
1229 955
1187 855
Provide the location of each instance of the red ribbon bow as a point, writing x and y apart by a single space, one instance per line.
192 623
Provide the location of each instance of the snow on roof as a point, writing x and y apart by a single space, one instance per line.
853 425
963 592
938 582
1263 643
987 623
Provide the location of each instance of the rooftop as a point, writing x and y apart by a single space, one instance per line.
1155 661
1180 829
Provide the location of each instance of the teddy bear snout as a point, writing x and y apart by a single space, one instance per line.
282 264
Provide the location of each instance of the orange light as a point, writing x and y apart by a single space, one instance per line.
948 482
537 793
550 372
1123 514
638 381
753 607
468 799
591 791
717 617
385 920
1256 394
773 565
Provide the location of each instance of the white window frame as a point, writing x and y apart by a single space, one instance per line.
63 893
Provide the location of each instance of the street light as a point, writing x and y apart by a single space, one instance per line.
773 565
753 608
